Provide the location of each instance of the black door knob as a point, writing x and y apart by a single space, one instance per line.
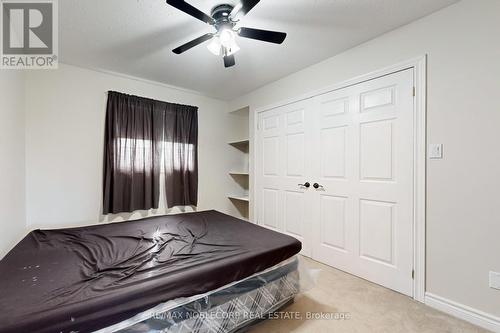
316 186
306 185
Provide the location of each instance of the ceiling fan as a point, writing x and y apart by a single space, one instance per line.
224 18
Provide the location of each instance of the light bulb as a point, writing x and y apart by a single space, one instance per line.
215 46
227 37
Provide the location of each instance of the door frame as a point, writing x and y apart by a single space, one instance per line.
419 66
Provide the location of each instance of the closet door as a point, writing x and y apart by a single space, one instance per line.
334 232
362 211
284 163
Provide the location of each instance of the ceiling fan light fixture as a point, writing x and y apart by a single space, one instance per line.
224 43
224 18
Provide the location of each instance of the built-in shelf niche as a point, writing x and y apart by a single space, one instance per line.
239 141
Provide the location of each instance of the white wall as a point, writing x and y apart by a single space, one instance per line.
463 220
12 185
65 113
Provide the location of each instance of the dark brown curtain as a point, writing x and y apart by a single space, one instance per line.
138 132
181 156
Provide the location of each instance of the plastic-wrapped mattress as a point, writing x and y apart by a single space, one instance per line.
89 278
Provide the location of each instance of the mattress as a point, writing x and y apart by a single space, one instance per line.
228 309
85 279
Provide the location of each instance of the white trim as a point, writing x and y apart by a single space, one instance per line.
463 312
142 80
412 63
419 65
419 182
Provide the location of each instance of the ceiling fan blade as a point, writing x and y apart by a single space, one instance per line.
190 10
243 8
229 61
263 35
193 43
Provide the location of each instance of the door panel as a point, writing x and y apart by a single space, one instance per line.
285 163
377 150
333 152
333 106
357 143
375 99
270 159
295 151
333 222
295 211
270 208
376 220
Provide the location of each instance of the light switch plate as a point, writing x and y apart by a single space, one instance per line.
436 151
495 280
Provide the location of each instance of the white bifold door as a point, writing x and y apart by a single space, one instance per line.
336 172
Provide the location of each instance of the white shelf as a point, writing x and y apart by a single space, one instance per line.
239 142
239 198
239 173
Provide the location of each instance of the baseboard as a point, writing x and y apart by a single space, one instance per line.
463 312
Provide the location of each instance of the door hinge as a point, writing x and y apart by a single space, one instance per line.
414 91
413 274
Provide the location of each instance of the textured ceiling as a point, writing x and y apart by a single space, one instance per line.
135 37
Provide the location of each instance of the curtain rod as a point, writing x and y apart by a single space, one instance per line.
150 99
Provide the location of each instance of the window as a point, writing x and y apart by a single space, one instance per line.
150 146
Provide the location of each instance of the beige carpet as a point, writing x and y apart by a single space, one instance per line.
371 308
